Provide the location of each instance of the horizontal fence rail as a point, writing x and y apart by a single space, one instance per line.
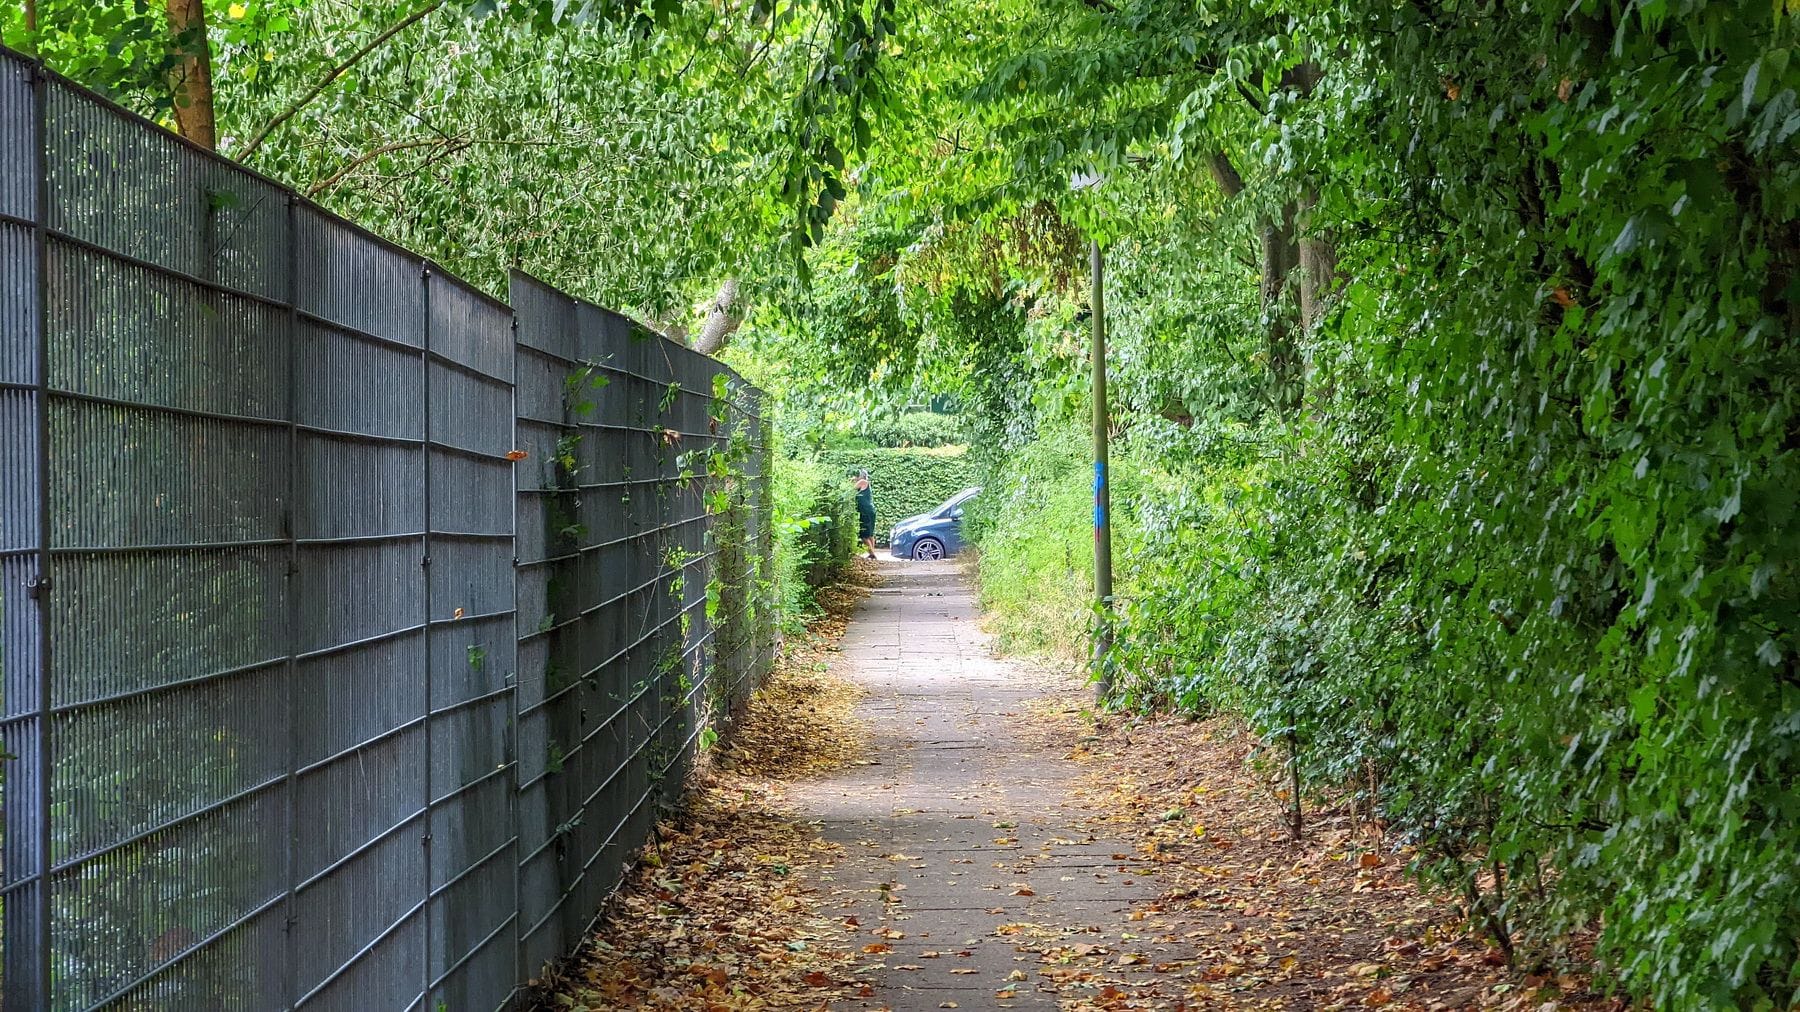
316 694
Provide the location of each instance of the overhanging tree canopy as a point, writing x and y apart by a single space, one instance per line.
1457 337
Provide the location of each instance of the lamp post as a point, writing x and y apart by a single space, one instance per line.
1103 575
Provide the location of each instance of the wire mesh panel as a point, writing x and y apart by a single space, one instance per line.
571 569
313 698
747 652
471 857
617 552
763 534
168 487
359 861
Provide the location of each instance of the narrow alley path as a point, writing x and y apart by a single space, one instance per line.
905 822
962 843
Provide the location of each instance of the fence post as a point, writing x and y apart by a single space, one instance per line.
518 672
425 634
290 578
36 990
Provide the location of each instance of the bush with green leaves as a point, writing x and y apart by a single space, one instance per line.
815 531
1033 526
906 482
913 428
1503 539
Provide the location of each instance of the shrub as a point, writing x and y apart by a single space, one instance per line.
914 428
1032 526
815 530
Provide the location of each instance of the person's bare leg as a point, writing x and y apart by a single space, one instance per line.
869 543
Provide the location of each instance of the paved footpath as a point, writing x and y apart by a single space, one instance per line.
963 850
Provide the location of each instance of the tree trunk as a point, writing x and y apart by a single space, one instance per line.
190 76
723 318
1317 263
1280 255
1225 174
1282 252
1318 270
1291 248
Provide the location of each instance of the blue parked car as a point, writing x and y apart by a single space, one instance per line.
933 535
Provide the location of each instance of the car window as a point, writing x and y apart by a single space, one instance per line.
950 505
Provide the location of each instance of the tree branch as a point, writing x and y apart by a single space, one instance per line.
336 72
447 145
722 319
1225 174
1250 98
368 156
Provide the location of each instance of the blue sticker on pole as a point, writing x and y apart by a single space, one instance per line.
1099 491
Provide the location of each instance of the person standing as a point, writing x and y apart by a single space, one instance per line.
865 512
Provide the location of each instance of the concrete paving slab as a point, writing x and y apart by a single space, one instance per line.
967 867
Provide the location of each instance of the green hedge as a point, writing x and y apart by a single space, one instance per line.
914 429
907 481
815 529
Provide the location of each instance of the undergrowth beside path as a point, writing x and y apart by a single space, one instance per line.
720 914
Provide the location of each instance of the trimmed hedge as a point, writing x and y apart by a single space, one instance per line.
907 481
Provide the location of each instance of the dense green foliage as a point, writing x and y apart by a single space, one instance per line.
907 429
622 151
1453 348
1456 344
906 482
1037 548
815 531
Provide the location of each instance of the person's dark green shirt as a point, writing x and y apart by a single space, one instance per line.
865 504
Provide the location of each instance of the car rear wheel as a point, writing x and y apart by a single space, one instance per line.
928 548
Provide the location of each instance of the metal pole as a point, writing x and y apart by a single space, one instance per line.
1103 576
425 647
291 637
519 971
41 585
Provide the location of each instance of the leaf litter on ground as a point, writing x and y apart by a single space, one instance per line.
1264 922
718 915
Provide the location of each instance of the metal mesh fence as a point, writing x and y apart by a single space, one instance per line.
627 523
313 697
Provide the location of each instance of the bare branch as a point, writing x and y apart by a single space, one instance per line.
336 72
446 146
723 316
368 156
